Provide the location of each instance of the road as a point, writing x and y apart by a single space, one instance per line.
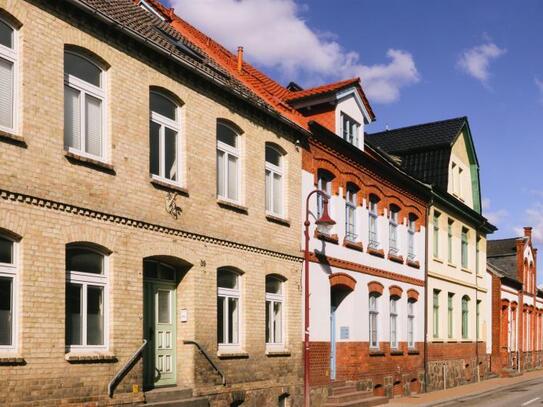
526 394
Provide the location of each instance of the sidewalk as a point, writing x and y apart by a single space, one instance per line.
442 396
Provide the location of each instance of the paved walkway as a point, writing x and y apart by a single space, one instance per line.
443 396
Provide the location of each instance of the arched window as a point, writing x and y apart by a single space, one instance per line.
228 313
228 167
394 322
84 106
373 214
411 230
8 291
274 311
393 219
465 316
8 72
373 320
324 183
274 181
411 323
350 212
164 131
86 297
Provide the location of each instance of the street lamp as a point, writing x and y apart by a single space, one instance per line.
324 225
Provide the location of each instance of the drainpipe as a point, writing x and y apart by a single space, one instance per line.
426 296
477 326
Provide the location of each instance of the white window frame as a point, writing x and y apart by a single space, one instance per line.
393 314
350 134
229 151
12 55
410 324
84 88
373 319
94 280
274 170
11 271
276 299
393 242
228 293
350 214
373 228
411 230
324 184
174 125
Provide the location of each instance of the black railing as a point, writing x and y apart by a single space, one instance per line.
125 369
213 365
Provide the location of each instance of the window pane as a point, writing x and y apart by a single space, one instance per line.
6 309
6 93
84 260
150 269
166 273
220 319
221 190
73 314
82 68
170 153
268 321
232 177
227 279
233 322
268 190
273 156
72 118
6 35
273 285
164 307
163 106
93 124
277 322
277 194
154 146
95 316
226 135
6 250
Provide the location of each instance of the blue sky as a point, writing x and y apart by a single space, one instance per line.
419 61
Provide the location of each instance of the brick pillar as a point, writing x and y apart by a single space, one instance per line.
496 325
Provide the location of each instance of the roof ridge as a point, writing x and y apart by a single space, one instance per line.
418 125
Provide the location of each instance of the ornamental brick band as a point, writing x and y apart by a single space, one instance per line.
342 280
395 291
375 287
412 295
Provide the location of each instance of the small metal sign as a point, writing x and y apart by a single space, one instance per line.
344 332
183 315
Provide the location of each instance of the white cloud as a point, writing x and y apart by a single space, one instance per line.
475 61
494 216
274 35
533 217
539 85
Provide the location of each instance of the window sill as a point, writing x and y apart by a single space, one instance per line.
451 264
11 360
277 219
90 357
376 352
12 139
376 252
75 158
396 352
223 203
327 238
413 263
169 186
353 245
277 352
465 270
395 258
413 352
438 260
232 354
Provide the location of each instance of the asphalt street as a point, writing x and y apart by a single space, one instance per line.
525 394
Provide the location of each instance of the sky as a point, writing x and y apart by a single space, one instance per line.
419 61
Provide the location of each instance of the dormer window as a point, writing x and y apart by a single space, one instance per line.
349 129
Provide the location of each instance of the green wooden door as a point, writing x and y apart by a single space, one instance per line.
159 329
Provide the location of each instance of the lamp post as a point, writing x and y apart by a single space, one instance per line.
324 224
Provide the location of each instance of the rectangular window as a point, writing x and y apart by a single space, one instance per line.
373 316
324 183
436 314
477 320
477 254
436 234
411 229
274 181
228 169
450 241
274 311
6 311
373 216
349 129
464 248
453 178
411 324
8 68
393 232
350 215
8 284
393 323
450 310
465 317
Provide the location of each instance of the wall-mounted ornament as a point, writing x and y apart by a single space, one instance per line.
171 205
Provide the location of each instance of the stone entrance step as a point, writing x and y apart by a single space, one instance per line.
346 394
174 397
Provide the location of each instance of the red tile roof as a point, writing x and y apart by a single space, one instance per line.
272 92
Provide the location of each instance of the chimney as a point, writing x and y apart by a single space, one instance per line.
528 231
240 59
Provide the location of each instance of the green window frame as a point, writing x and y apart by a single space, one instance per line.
436 314
465 316
464 249
436 234
450 314
450 241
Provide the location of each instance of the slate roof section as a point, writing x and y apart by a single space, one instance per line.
424 149
506 264
502 247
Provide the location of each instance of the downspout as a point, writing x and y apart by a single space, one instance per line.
426 245
477 316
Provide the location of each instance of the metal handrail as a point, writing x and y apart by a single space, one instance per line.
122 372
203 352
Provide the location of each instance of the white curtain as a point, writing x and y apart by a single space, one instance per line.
93 113
6 93
72 118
